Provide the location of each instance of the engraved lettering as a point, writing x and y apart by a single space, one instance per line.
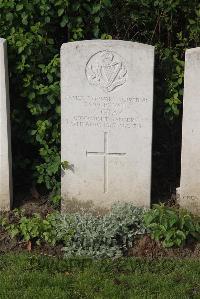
106 112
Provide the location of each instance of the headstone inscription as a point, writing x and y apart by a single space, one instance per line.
190 159
106 122
5 149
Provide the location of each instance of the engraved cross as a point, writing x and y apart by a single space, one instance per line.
106 155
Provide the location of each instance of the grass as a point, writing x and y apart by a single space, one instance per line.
28 276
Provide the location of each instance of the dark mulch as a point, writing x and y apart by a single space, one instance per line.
7 244
146 247
32 201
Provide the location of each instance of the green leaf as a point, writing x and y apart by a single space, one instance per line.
20 50
178 242
169 234
47 19
9 17
178 69
180 80
97 19
19 7
96 8
167 109
24 21
107 3
64 21
58 109
168 243
181 234
192 22
61 11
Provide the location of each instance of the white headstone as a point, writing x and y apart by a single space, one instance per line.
106 112
190 165
5 149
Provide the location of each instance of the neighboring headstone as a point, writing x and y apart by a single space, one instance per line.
190 165
106 112
5 149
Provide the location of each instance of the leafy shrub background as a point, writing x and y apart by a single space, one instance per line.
35 31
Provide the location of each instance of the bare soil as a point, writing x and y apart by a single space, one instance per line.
146 247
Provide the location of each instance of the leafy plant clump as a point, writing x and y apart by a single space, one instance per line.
80 234
106 236
35 229
171 226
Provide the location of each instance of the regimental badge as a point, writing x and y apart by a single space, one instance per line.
106 70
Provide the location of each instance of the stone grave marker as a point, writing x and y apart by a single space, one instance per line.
5 149
106 116
190 160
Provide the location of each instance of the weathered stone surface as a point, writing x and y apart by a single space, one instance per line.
106 112
190 165
5 150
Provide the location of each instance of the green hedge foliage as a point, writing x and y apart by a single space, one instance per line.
35 31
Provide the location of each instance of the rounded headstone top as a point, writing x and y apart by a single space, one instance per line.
108 43
2 40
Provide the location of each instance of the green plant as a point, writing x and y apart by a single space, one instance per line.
107 236
35 228
81 234
171 226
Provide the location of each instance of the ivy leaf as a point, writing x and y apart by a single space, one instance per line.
107 3
47 19
9 16
167 109
60 12
96 8
64 21
19 7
